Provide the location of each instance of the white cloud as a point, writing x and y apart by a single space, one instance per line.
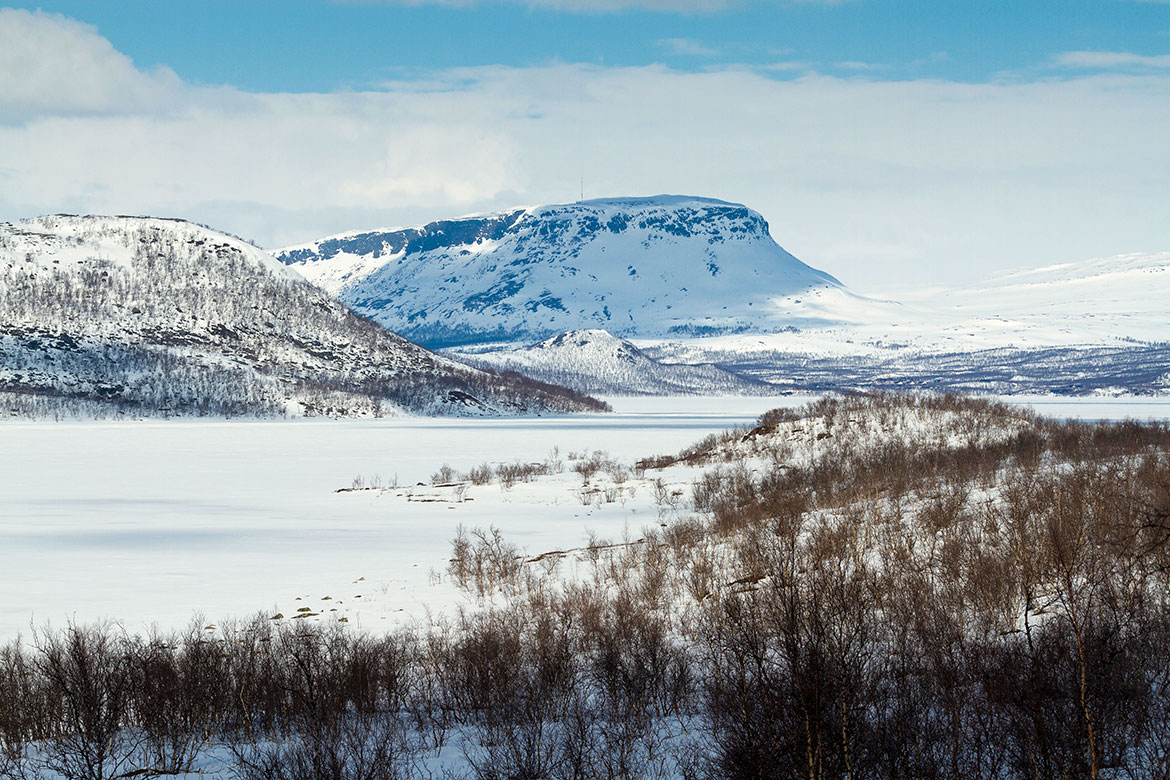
934 58
51 64
1108 60
872 180
860 66
686 47
786 66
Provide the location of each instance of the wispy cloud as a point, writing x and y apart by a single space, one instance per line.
686 47
934 58
784 66
1108 60
860 66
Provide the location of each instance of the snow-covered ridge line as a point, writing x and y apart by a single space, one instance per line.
73 238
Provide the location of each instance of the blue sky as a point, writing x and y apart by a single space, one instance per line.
315 46
886 142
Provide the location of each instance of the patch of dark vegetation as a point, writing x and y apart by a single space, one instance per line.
1138 368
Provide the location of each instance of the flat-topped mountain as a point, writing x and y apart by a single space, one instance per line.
144 316
646 267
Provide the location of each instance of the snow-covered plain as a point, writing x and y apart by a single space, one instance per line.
160 522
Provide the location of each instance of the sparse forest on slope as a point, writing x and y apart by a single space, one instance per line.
119 315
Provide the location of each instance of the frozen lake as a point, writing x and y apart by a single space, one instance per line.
157 522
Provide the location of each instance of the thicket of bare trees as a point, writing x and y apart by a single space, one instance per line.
987 595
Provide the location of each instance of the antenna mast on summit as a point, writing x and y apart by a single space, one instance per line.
582 188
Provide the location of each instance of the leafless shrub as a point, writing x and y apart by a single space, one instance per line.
356 746
445 475
484 560
588 495
89 677
587 469
553 462
460 564
481 474
589 464
510 473
176 700
21 710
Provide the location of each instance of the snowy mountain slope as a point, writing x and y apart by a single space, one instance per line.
1101 301
1104 302
594 361
662 266
163 316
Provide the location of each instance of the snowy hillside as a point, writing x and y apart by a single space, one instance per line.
1094 326
133 315
594 361
1102 301
662 266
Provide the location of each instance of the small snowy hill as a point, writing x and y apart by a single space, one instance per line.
594 361
665 266
103 315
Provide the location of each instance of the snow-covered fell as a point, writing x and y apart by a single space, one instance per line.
666 266
135 315
595 361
